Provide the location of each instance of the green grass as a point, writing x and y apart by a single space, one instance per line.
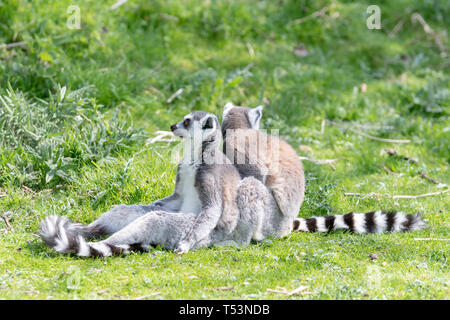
79 150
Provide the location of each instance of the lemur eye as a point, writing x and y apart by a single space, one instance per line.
186 122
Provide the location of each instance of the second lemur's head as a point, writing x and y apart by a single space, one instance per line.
199 127
235 117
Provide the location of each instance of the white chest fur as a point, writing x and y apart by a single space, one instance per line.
191 202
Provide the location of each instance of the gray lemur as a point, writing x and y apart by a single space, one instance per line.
211 205
268 159
289 182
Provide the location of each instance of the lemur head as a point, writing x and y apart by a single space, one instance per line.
235 117
198 126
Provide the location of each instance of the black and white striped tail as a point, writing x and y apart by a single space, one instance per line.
86 231
64 236
371 222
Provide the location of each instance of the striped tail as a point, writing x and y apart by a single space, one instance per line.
371 222
64 236
86 231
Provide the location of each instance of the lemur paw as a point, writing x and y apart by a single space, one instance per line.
183 247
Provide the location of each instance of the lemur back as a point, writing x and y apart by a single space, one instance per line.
267 158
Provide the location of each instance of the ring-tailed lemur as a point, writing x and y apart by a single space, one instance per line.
208 189
121 215
248 119
270 160
275 162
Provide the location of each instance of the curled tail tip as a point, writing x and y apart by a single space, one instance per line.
49 230
56 234
64 236
48 225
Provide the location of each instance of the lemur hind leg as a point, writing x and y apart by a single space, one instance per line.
251 201
108 223
260 212
154 228
119 217
288 191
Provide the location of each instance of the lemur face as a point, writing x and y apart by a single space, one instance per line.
235 117
197 125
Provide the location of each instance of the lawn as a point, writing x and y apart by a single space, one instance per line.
79 109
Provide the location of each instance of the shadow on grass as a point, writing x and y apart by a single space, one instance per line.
38 249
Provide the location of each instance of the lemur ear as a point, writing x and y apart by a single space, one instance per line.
227 107
254 115
208 123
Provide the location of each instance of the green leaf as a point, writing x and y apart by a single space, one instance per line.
50 175
45 56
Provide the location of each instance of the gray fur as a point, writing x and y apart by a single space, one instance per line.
276 222
231 210
160 228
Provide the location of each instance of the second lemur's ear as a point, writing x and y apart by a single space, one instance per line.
227 107
254 115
